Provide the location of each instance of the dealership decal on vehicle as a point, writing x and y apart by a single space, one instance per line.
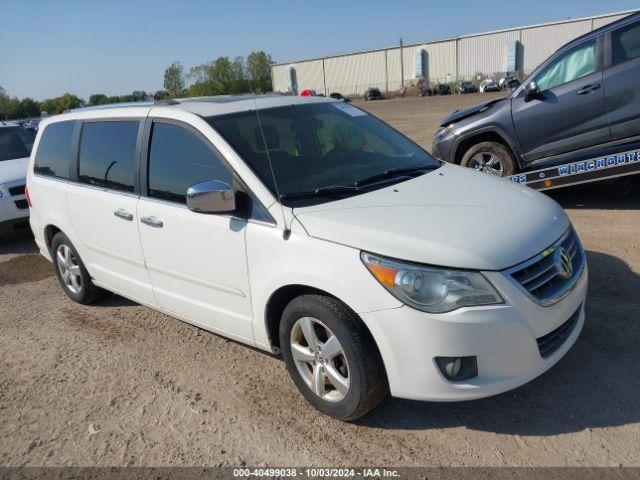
561 175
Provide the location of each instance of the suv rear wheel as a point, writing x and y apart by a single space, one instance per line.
71 272
490 157
331 357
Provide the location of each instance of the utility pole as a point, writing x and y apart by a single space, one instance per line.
401 66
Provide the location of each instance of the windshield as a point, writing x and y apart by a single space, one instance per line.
320 146
15 142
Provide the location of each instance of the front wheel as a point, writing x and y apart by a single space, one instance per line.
331 357
490 157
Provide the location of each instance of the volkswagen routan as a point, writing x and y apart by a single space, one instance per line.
310 228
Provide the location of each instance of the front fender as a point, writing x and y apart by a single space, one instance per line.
302 260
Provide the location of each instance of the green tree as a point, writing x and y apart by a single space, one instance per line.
259 70
174 80
138 96
61 104
161 95
98 99
29 108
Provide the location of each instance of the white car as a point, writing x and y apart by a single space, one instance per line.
488 85
15 147
310 227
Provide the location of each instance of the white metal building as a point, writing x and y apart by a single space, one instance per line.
489 54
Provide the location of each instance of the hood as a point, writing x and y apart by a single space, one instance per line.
13 170
467 112
452 217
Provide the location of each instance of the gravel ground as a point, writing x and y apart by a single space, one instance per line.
119 384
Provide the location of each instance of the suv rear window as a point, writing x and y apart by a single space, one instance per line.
54 150
626 43
107 154
15 142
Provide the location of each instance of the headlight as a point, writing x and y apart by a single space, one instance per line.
431 289
444 130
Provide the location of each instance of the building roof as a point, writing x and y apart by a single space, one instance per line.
449 39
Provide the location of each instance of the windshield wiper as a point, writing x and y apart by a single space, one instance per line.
322 191
394 172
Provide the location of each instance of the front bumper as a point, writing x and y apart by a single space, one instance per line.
502 337
14 226
14 213
442 146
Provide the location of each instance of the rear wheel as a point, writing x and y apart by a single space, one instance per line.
490 157
71 272
331 357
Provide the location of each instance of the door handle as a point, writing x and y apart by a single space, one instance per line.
588 89
122 213
152 221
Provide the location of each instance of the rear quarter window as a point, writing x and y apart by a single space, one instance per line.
53 155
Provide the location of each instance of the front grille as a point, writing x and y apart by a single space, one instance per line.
22 204
552 341
17 190
543 277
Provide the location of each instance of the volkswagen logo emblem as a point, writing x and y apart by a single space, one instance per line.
563 263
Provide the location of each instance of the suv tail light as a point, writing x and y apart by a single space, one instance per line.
26 192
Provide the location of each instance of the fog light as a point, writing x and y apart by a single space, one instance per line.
457 369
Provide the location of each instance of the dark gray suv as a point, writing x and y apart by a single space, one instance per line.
583 102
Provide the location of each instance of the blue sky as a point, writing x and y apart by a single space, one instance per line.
51 47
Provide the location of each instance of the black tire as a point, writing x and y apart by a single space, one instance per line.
87 291
366 374
491 148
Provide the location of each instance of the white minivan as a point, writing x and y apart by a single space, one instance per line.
309 227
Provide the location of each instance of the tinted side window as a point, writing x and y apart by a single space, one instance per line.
574 64
178 159
626 43
54 150
107 154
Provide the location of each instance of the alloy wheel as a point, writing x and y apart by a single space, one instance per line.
69 269
320 359
487 162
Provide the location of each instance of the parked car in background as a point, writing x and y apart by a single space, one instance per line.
339 96
372 94
442 89
465 87
16 143
509 83
307 92
373 267
32 124
488 85
577 115
422 88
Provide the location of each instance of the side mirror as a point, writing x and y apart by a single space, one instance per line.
211 197
531 91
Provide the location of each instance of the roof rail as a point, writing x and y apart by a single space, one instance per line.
111 105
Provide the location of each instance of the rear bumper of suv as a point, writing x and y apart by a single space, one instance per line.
512 343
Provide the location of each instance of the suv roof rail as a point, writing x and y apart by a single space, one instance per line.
111 105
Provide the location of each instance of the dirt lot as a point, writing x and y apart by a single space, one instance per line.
119 384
